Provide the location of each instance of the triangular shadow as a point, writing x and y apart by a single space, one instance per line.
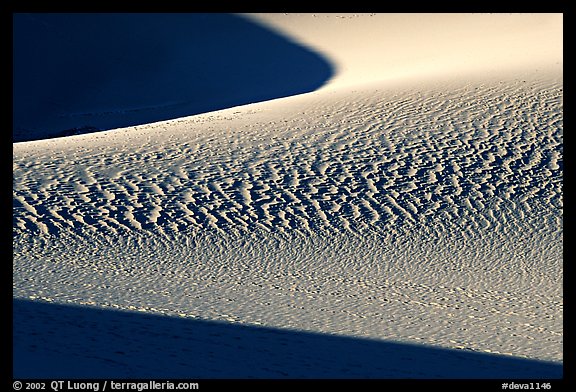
61 341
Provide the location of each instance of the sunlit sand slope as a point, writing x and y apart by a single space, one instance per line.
425 212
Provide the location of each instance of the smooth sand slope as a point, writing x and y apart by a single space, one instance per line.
406 227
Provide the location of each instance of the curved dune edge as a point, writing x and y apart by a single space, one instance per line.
364 49
73 76
369 48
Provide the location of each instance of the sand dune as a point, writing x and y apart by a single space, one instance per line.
469 154
80 73
365 48
415 209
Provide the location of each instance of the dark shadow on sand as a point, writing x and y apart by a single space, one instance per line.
78 73
57 341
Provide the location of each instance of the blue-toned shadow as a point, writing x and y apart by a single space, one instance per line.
59 341
78 73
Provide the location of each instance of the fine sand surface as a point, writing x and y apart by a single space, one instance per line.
383 226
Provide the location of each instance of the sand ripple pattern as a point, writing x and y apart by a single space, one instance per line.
428 214
478 157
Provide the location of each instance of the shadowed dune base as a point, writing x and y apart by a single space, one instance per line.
77 73
82 342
